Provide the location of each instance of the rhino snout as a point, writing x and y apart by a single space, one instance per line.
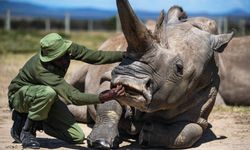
134 86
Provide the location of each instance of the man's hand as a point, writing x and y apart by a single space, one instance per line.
112 94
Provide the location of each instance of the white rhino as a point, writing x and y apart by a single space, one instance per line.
170 78
234 72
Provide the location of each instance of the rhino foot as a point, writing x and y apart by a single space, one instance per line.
105 133
99 144
177 135
104 144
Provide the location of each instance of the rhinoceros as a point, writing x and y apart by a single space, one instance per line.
170 78
234 72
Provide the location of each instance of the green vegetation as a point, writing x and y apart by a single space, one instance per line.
92 40
20 41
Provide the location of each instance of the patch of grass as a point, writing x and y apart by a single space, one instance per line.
92 40
18 41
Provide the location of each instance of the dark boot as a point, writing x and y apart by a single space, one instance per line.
19 121
27 137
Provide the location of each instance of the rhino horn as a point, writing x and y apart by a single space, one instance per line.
160 29
139 38
160 21
175 15
219 42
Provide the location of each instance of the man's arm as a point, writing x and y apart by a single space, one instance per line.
72 95
67 91
96 57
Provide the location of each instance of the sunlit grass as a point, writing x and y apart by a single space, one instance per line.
92 40
28 41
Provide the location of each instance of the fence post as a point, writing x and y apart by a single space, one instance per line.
242 25
47 25
225 25
219 25
90 25
118 23
8 20
67 23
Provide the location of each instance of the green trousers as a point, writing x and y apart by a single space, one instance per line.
42 104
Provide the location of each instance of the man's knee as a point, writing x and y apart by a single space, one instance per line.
79 139
72 134
48 93
77 135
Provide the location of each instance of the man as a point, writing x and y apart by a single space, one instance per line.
33 93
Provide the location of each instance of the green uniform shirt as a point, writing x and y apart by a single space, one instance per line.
35 72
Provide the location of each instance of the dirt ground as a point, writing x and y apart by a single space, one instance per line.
230 126
230 131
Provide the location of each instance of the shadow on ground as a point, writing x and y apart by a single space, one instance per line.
51 143
48 143
208 136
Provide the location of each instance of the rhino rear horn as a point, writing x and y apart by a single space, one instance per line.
219 42
160 21
139 38
160 29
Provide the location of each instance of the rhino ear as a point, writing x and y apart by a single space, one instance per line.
176 14
219 42
136 33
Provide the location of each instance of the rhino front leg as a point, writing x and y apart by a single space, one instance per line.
80 113
177 135
105 131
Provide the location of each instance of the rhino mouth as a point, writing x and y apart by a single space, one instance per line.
135 94
132 91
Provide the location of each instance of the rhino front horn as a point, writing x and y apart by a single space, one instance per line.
136 33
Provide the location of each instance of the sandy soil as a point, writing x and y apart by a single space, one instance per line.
229 131
230 127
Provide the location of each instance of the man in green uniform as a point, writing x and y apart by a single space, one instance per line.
33 93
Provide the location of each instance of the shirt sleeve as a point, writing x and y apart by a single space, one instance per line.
67 91
95 57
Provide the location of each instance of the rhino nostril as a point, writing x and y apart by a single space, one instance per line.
148 84
147 90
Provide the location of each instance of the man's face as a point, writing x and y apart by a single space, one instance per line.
62 62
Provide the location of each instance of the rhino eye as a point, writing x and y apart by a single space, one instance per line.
179 67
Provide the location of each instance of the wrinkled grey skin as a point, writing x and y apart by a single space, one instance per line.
170 78
234 72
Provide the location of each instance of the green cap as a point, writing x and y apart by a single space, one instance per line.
53 46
